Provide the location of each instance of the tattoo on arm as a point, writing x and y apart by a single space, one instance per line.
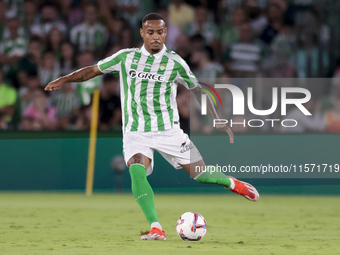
82 78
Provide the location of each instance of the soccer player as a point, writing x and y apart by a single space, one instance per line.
148 82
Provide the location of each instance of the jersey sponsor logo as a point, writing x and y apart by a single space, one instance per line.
145 75
132 73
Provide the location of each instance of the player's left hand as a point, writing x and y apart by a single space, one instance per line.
225 128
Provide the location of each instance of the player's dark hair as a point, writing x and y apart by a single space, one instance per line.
152 16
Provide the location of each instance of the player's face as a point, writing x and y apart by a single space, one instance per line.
153 33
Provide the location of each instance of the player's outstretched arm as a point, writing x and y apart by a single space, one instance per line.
80 75
212 113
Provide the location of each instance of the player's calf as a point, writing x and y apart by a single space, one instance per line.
216 177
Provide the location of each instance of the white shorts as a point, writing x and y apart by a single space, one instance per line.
173 144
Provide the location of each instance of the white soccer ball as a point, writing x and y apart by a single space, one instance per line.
191 226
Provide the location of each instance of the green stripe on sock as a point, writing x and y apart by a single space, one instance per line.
214 177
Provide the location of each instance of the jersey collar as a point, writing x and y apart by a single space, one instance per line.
157 55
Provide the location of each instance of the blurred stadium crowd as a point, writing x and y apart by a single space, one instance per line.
231 40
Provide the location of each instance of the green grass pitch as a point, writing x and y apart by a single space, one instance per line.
73 224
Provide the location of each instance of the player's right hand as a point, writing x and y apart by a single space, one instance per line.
54 85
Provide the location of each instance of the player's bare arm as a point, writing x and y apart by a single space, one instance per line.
80 75
213 114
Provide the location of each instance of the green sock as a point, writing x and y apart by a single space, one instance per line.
213 177
143 192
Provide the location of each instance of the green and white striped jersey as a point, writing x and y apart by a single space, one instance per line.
13 48
148 86
85 89
89 38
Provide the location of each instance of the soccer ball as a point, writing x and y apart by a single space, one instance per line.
191 226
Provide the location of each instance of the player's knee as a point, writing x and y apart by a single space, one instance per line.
139 159
137 172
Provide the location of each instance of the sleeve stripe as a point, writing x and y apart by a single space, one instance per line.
113 61
99 68
185 76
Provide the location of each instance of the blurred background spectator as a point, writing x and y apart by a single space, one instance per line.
172 31
109 104
71 14
49 68
27 91
180 13
8 97
68 62
13 46
49 19
332 116
207 70
201 25
305 123
31 61
67 103
230 30
223 39
40 114
85 89
90 35
244 57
